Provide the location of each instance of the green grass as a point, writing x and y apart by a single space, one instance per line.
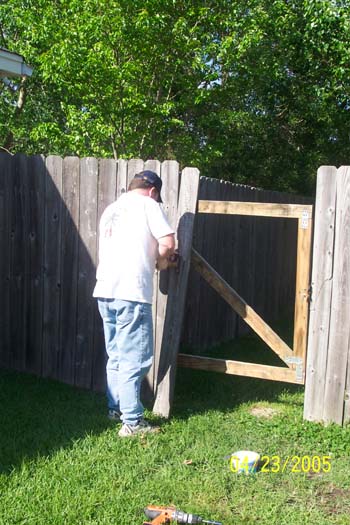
61 461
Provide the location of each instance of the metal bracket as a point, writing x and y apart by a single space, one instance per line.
299 369
304 223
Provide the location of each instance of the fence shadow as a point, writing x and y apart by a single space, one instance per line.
49 321
40 417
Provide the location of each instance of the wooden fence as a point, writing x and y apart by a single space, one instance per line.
327 389
49 212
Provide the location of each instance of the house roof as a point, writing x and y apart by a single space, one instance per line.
12 64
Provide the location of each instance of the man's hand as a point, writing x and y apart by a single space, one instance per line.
162 263
170 261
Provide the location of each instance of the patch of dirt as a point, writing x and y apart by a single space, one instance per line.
333 499
266 412
312 474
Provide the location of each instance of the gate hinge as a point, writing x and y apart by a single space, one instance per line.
304 223
299 368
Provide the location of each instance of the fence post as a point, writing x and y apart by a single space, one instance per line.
328 348
321 286
340 311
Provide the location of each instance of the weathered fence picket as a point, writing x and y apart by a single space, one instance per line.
338 345
109 174
328 362
69 267
87 258
177 291
36 222
5 169
52 267
169 172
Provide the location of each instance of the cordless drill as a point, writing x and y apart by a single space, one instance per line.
159 515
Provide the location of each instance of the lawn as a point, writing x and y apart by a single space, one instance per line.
61 461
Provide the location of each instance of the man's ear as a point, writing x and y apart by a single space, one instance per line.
153 193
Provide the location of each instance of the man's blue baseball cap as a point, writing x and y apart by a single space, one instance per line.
152 178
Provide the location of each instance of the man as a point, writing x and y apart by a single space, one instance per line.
135 237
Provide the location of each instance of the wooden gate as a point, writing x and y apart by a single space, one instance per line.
294 359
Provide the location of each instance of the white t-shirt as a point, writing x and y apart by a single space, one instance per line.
128 248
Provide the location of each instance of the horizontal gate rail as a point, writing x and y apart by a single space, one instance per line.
255 209
274 373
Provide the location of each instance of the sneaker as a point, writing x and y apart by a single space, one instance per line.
114 415
140 428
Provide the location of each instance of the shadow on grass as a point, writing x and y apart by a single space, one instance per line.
198 391
40 416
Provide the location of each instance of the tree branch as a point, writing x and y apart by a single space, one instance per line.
2 35
114 148
7 151
19 107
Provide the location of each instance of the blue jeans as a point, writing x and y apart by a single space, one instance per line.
128 330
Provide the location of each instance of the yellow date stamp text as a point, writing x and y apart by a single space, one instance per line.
294 464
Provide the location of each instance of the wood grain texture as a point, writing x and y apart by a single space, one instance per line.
177 293
19 263
6 200
69 268
253 208
339 331
321 293
86 305
36 174
107 191
302 289
52 267
122 177
169 171
195 304
273 373
134 167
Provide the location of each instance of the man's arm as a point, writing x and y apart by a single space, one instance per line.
166 248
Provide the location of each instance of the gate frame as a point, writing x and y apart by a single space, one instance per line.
295 358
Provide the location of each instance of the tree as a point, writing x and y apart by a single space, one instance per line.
252 91
109 76
283 106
